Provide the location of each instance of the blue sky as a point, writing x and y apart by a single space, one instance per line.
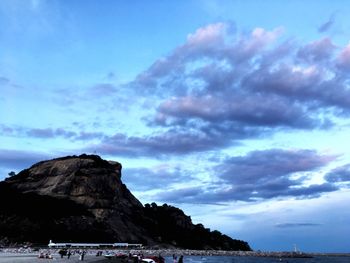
235 111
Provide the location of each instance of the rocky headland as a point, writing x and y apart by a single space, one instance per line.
83 199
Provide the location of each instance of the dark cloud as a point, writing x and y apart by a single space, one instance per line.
18 160
295 225
173 141
258 176
306 86
269 174
259 167
239 110
339 175
221 193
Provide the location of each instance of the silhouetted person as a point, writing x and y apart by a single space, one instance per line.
82 256
181 259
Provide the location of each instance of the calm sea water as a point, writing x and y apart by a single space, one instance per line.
222 259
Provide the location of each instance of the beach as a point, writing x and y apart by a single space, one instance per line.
18 255
31 258
199 256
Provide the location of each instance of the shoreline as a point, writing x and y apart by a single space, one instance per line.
170 252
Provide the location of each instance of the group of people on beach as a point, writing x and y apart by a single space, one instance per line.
68 253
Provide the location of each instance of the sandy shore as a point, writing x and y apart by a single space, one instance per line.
32 258
19 256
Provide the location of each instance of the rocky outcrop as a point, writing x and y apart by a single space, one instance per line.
82 198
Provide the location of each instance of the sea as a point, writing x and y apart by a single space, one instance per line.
233 259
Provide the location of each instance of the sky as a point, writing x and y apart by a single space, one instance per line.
235 111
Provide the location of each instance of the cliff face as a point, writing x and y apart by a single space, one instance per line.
87 180
82 198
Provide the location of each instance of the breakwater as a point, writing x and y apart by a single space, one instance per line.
188 252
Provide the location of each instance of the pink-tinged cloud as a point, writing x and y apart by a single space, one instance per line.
343 59
207 36
317 51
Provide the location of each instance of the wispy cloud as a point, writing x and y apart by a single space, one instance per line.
296 225
327 25
49 133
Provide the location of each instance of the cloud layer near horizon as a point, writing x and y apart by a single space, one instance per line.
260 175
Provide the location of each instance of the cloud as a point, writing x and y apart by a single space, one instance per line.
260 175
175 142
224 83
157 177
238 110
49 133
343 59
223 193
103 89
17 160
208 43
296 225
8 87
307 86
317 51
4 80
269 173
339 175
6 130
259 167
193 195
208 36
222 86
326 26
